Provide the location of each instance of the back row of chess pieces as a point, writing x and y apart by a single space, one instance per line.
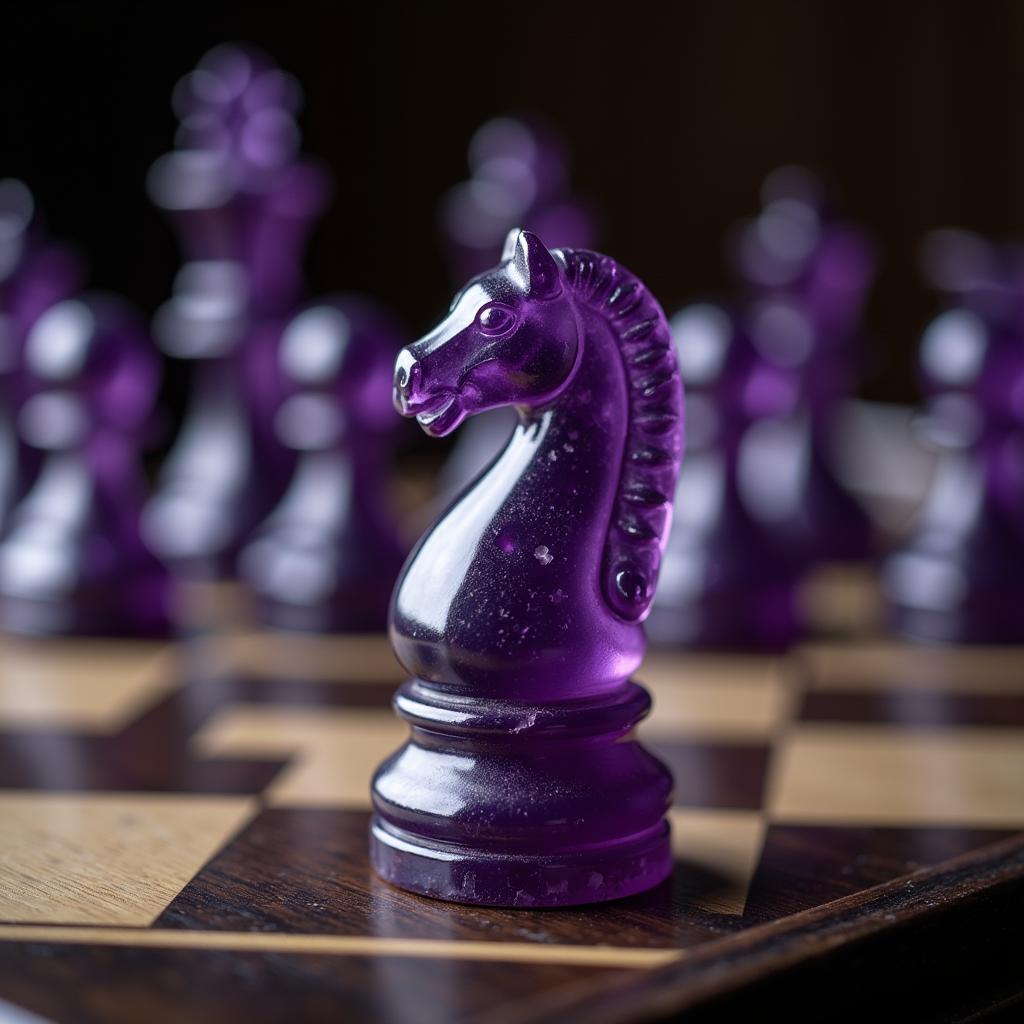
279 475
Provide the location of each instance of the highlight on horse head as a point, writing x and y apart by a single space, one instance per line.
511 337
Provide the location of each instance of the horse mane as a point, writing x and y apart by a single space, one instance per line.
642 512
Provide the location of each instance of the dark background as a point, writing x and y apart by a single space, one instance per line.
674 112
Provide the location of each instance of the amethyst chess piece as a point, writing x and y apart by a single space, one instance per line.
73 560
728 578
34 274
519 614
327 556
805 278
958 578
243 202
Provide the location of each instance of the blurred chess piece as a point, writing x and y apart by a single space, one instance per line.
73 560
243 202
728 580
959 576
327 556
519 178
804 279
34 274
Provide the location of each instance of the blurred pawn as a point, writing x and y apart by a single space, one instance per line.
805 278
34 274
225 469
326 558
960 576
519 178
727 579
73 560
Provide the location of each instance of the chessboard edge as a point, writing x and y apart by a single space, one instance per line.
940 900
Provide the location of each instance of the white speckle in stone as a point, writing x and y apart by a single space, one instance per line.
542 555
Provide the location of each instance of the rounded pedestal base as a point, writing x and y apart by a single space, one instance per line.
510 804
467 875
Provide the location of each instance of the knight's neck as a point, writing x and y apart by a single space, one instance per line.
593 407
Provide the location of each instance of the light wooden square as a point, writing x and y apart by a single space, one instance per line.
86 686
724 842
332 752
872 775
715 697
106 858
355 658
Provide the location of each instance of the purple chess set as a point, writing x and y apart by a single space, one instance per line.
519 614
523 613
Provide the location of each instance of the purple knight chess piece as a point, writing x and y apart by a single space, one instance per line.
73 560
327 556
728 579
243 202
958 578
805 277
519 615
34 274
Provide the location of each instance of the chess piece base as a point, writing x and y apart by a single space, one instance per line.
506 804
466 875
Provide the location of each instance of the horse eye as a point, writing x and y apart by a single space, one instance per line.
495 319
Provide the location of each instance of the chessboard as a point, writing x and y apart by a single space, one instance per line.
183 836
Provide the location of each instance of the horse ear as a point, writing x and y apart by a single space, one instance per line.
535 266
508 250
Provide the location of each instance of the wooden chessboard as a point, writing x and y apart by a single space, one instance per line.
183 836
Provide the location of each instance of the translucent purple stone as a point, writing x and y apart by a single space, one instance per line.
519 614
